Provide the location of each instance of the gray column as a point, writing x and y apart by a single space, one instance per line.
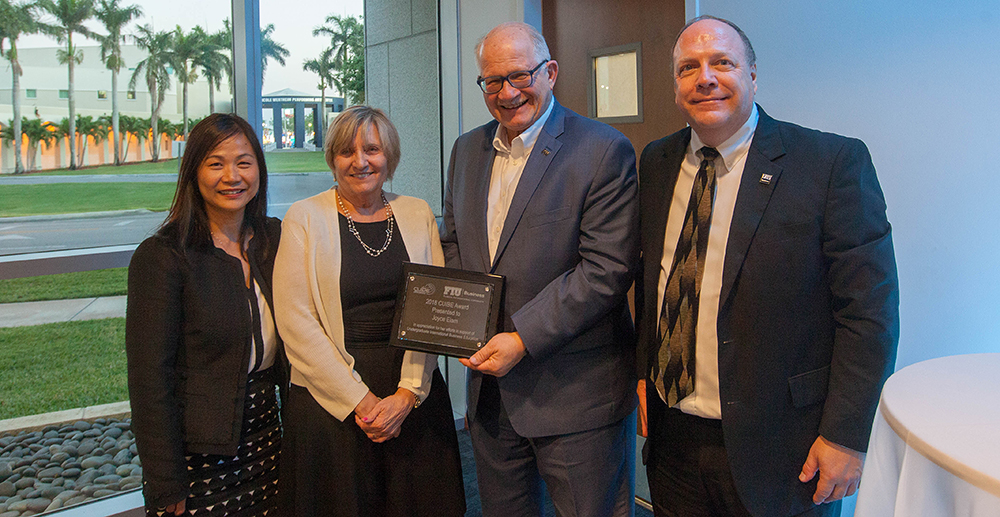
279 129
247 63
300 124
318 125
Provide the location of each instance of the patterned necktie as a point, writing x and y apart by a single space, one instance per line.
674 375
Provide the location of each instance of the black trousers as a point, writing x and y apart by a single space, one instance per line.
688 470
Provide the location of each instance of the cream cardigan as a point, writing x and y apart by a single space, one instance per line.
307 303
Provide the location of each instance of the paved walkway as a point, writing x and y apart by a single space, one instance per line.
79 309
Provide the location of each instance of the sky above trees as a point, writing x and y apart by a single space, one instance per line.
293 22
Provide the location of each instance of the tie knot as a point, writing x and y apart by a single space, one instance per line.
709 153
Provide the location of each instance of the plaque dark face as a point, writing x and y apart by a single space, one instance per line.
446 311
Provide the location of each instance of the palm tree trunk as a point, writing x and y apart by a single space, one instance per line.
114 117
83 150
154 124
72 104
211 99
16 102
185 109
322 113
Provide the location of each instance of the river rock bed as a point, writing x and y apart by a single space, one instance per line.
63 465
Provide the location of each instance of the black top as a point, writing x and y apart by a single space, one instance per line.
188 338
368 287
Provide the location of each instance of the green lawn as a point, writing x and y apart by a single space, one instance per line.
160 167
64 198
84 284
62 366
296 161
277 162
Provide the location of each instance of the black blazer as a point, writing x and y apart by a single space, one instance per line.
188 338
809 316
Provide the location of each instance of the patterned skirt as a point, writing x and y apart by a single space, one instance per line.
245 484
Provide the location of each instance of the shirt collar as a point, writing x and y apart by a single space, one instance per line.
526 140
735 147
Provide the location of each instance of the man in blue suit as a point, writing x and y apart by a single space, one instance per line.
768 309
547 199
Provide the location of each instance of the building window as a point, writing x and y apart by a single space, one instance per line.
31 94
63 94
615 89
102 94
130 95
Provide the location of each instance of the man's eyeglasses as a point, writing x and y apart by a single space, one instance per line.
519 79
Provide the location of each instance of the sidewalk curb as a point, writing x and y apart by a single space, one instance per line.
78 215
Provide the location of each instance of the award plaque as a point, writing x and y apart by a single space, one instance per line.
446 311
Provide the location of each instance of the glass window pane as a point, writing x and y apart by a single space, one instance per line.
617 95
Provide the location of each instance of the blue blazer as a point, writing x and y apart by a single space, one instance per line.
568 250
809 309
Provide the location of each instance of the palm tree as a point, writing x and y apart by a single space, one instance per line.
214 63
70 16
36 131
270 49
323 66
186 48
16 20
153 70
130 126
346 34
114 17
170 130
85 126
61 131
347 38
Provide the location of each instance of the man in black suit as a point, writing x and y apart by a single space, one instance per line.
768 307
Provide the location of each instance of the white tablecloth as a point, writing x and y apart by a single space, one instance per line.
935 447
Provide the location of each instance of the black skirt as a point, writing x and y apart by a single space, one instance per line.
245 484
331 468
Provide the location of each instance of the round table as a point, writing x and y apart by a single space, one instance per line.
935 446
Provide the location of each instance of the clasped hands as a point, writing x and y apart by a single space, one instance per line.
500 354
381 419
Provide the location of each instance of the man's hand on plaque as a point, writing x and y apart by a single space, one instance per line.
499 355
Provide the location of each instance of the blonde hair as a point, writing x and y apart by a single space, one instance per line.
343 130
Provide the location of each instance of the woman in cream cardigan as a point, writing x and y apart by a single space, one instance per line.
368 427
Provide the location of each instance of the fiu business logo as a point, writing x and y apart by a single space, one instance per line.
426 290
450 290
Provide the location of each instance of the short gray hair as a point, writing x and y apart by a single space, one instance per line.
541 49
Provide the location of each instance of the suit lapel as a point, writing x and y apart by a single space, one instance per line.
542 154
481 194
753 197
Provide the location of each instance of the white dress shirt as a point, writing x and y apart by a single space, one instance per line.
506 173
704 400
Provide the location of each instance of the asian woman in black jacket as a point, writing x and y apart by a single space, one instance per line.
204 357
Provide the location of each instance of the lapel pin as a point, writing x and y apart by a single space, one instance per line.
766 179
545 152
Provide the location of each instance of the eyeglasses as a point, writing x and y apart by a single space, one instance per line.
519 79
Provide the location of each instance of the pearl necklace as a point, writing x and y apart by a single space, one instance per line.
350 226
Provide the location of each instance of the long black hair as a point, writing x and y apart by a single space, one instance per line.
187 221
